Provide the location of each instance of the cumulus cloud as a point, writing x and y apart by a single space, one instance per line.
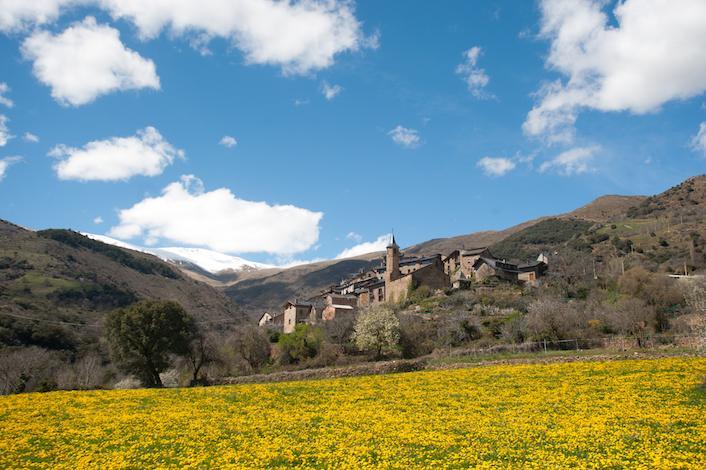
4 131
29 137
186 213
98 220
367 247
474 76
621 67
496 166
571 162
300 37
228 141
18 15
408 138
5 164
85 61
698 142
4 100
330 91
119 158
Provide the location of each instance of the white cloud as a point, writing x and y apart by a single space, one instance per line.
29 137
186 213
405 137
119 158
98 220
300 102
698 142
496 166
654 54
356 237
4 131
4 100
330 91
5 164
18 15
571 162
86 61
474 76
300 37
367 247
228 141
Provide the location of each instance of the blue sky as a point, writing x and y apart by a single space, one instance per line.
427 127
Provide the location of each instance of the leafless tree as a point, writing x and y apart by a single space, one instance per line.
28 370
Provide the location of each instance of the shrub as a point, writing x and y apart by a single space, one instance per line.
304 343
417 336
552 319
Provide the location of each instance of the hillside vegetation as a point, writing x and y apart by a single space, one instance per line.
56 286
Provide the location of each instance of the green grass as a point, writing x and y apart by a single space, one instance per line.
39 284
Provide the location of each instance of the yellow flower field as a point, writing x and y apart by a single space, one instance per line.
642 413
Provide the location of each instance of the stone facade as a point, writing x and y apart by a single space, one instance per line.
418 272
338 305
296 312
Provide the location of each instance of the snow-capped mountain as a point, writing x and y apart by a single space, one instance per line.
208 260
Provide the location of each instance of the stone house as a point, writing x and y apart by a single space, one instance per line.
265 319
337 305
487 266
462 261
295 312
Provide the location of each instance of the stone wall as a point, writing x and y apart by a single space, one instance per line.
396 291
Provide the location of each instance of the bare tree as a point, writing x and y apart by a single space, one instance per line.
28 370
633 317
201 352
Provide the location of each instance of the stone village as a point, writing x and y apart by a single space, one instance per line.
397 276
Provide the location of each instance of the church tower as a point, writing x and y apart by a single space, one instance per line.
392 262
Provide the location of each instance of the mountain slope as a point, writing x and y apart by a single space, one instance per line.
62 276
197 259
257 294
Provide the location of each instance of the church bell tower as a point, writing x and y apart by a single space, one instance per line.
392 262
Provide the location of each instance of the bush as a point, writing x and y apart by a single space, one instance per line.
417 336
456 329
514 329
552 319
418 294
304 343
633 317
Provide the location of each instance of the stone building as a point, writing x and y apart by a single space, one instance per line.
487 266
462 261
293 313
265 319
401 279
337 305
